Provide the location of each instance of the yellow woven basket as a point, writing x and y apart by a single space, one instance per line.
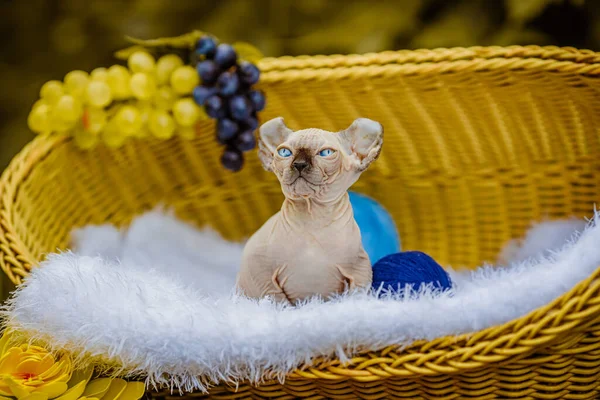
479 142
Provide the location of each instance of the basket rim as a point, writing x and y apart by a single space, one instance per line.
568 314
437 55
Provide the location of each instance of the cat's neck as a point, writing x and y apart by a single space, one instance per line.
314 214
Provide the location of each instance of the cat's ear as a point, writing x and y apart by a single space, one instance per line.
362 141
272 133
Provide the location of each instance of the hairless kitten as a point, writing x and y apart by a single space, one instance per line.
313 245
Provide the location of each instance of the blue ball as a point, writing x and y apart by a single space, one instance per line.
412 268
377 228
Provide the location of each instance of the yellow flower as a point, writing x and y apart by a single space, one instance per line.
29 372
27 369
101 388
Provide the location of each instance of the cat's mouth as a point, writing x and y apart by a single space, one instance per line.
301 187
303 179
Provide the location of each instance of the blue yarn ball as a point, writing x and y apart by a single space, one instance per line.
409 268
377 228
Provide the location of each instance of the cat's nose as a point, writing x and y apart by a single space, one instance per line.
300 165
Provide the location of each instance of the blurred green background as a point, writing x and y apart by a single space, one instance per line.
44 39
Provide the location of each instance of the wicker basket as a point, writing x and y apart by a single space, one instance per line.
479 142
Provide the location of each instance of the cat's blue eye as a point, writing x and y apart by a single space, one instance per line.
326 152
284 152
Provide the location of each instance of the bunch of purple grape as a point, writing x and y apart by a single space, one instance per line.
226 94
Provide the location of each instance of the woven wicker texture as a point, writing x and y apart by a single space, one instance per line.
479 142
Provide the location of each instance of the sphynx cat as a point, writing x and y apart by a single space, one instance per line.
312 247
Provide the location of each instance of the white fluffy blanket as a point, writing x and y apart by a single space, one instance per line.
157 299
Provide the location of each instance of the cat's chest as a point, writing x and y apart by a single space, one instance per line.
315 248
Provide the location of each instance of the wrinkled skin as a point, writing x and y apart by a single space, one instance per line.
313 245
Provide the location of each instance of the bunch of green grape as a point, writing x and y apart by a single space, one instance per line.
147 98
